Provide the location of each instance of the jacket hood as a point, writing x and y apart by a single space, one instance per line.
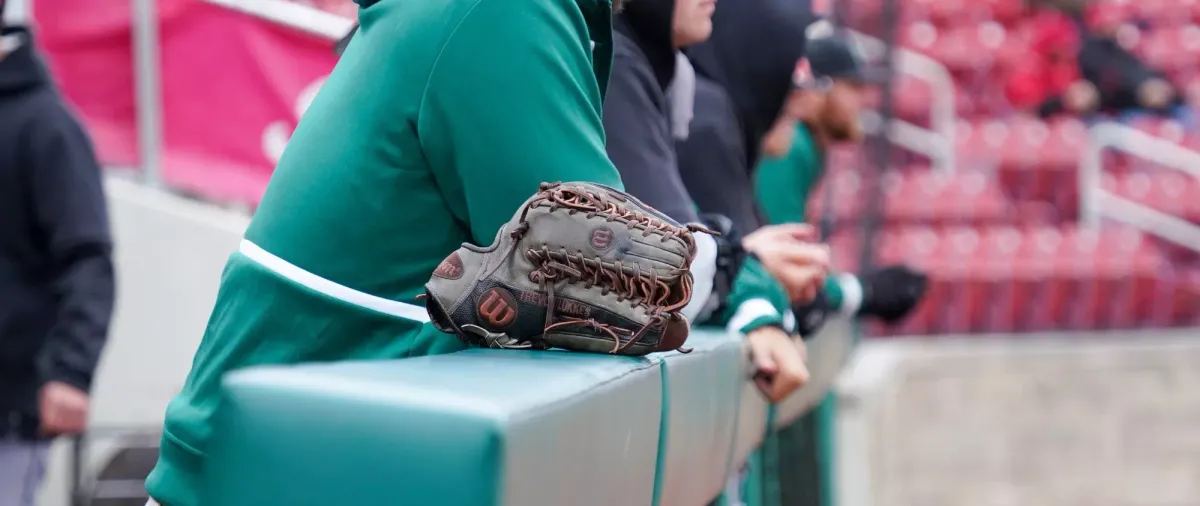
20 68
752 54
648 23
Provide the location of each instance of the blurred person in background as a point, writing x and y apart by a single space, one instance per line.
1049 82
647 108
1078 67
743 77
824 111
1124 83
1072 7
56 271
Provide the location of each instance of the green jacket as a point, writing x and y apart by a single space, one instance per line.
440 119
784 185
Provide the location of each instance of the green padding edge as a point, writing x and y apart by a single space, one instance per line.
702 389
502 427
476 428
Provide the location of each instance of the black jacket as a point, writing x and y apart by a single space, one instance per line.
1116 73
56 274
744 76
637 119
640 139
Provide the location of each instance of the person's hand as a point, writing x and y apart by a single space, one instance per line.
892 292
1081 97
778 362
788 253
1155 94
63 409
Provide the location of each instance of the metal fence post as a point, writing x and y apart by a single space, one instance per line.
148 92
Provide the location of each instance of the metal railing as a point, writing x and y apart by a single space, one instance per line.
147 71
300 17
937 142
1096 202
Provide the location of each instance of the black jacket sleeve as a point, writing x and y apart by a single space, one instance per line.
71 217
638 131
713 160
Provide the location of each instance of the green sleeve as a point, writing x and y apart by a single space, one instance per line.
783 185
512 101
757 300
833 291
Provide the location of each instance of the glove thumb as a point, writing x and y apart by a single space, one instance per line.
454 277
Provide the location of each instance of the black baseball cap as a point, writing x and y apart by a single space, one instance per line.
831 58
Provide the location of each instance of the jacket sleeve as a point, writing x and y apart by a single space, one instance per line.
513 102
71 215
757 301
639 138
642 148
713 154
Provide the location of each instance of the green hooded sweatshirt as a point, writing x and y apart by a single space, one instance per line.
440 119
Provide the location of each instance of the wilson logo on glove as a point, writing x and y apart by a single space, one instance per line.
450 268
498 308
580 266
602 238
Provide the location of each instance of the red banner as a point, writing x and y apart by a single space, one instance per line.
233 87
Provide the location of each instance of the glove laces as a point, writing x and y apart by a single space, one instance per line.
648 290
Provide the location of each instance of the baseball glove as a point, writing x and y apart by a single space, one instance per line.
581 266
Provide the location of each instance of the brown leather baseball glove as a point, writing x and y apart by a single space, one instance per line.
581 266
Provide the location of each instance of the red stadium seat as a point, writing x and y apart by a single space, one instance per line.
1161 12
1039 160
912 98
931 198
1172 192
996 264
1038 271
1171 49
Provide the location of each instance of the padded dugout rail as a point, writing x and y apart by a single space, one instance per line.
476 428
499 427
702 395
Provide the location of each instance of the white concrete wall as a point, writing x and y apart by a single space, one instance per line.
169 255
1108 419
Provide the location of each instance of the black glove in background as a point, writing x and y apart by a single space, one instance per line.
811 317
892 292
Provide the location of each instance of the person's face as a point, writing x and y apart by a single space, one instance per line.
839 117
802 105
693 21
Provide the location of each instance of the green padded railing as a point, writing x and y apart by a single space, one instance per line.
499 427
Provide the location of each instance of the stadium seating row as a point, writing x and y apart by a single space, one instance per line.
1010 279
490 427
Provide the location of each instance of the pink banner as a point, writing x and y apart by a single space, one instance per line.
233 87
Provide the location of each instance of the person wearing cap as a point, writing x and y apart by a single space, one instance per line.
823 111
